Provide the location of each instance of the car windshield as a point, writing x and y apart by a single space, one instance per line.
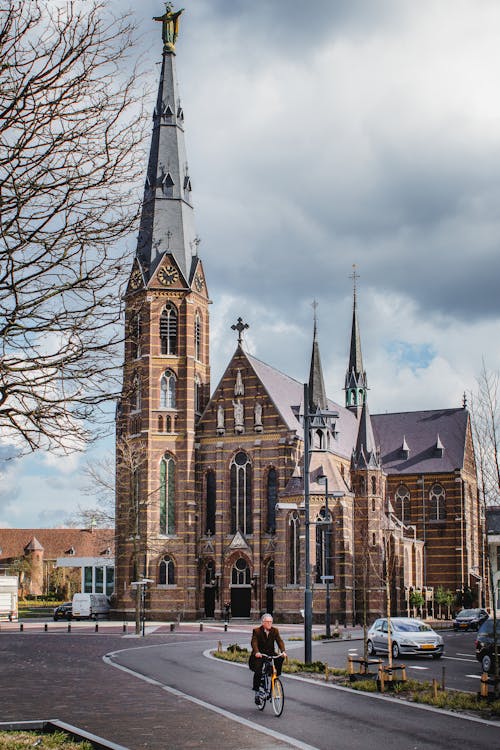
467 613
412 627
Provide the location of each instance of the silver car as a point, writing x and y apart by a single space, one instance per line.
408 636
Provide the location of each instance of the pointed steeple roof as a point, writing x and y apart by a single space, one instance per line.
366 454
317 392
356 383
167 220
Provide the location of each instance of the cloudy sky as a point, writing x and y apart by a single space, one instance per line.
322 135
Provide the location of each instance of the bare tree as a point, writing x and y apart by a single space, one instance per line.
71 122
485 411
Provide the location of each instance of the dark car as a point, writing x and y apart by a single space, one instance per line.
485 644
64 611
470 619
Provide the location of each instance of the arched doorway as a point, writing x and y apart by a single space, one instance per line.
241 590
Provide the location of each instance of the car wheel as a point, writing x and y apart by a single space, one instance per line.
486 663
369 647
395 650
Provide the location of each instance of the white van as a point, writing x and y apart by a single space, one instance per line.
90 605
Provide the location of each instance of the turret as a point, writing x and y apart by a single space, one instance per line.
356 383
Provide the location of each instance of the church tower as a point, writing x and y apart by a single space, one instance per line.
356 384
166 375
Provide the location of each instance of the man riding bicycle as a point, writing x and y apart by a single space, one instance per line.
264 640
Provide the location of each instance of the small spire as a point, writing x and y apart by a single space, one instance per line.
317 392
464 400
355 379
240 326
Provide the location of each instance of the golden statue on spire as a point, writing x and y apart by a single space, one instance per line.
170 27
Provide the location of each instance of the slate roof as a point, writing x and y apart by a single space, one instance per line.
56 542
287 395
421 430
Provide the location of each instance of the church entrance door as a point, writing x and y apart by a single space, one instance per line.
269 599
209 601
240 601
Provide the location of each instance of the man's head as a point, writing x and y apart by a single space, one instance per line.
267 621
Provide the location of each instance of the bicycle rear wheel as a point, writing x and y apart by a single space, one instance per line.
277 697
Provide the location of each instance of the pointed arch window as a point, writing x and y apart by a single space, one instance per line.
197 336
197 395
374 485
135 335
241 494
294 549
437 503
135 396
270 574
166 571
240 574
402 503
168 330
211 503
323 545
167 390
272 499
210 573
167 495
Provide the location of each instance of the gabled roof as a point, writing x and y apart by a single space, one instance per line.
56 542
421 430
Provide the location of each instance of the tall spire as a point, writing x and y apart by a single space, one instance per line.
317 393
167 221
355 380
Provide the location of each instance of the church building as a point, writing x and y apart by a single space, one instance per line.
210 490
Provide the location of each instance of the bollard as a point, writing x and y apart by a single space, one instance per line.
225 627
443 682
201 627
124 628
484 685
326 671
97 627
21 626
172 627
46 627
69 627
219 646
434 688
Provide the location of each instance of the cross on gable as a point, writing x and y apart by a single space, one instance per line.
240 327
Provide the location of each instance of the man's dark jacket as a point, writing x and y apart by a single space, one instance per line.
265 645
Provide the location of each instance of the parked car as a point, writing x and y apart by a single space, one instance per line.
484 644
408 636
470 619
63 611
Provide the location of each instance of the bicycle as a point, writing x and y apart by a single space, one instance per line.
271 688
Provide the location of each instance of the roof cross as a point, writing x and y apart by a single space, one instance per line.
354 276
240 327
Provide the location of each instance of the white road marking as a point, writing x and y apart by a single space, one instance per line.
474 676
227 714
411 666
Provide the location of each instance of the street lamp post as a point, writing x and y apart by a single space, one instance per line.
142 584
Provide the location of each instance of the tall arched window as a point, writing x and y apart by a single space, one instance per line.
168 329
437 503
197 336
241 494
210 573
323 545
167 390
270 574
294 548
135 396
374 485
197 395
272 499
210 507
166 571
402 503
167 495
135 335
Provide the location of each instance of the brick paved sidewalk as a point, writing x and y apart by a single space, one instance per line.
62 676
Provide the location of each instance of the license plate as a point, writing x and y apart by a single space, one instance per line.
427 645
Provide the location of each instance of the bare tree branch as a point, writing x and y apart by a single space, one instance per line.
71 123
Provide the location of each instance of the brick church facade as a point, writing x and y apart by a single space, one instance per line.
210 485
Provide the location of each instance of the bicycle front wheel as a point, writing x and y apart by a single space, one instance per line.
277 697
